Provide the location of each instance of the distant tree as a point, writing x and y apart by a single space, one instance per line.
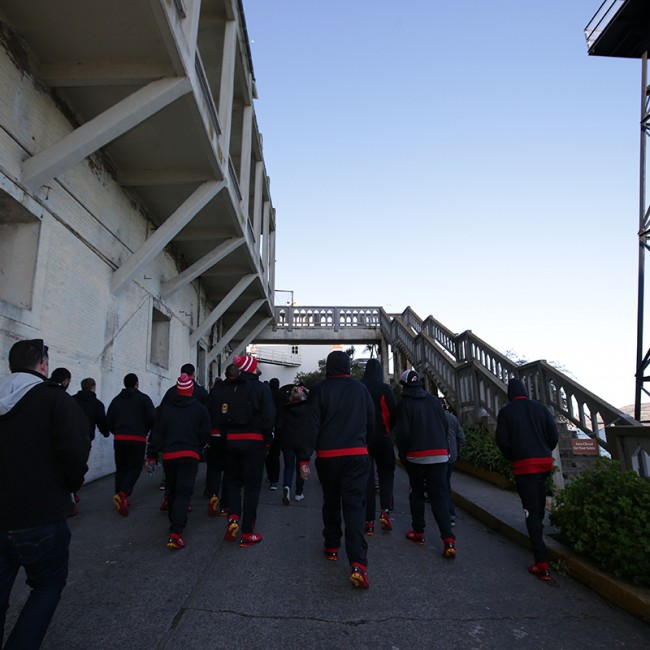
515 358
371 348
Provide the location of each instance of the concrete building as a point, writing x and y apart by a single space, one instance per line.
137 231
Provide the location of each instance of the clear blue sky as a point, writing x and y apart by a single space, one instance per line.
465 158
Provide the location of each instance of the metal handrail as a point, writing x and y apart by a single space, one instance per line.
601 19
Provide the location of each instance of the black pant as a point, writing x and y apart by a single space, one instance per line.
382 454
433 480
180 474
215 470
244 469
344 480
532 492
272 462
129 458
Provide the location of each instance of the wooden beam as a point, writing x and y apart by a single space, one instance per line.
234 329
221 308
99 131
200 266
161 237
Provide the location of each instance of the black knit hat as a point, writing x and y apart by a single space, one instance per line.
410 378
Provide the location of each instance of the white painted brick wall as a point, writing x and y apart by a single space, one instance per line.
89 226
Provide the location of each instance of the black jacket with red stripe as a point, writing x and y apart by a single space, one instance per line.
341 414
421 427
243 410
382 397
182 429
130 416
526 432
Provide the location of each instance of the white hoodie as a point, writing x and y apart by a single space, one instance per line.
14 387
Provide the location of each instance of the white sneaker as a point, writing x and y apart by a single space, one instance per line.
299 497
286 495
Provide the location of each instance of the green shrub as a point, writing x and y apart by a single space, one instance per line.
604 514
480 450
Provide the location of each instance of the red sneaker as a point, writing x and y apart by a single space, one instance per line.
370 528
213 506
359 577
417 538
233 529
164 506
121 504
384 521
540 570
248 539
449 548
175 541
331 553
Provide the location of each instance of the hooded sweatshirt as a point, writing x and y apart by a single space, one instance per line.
526 432
182 429
382 397
130 416
421 427
341 413
44 448
94 410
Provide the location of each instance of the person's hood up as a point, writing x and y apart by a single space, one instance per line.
14 387
338 363
373 372
414 392
516 389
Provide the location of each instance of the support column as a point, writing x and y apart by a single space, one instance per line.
642 360
227 87
245 165
272 262
266 213
257 205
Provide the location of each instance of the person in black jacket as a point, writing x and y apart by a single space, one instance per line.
272 462
92 407
380 447
421 437
341 419
291 426
247 415
526 434
44 449
181 431
130 417
216 484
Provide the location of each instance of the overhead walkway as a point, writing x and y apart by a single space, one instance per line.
471 374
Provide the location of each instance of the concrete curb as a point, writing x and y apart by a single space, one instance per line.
632 599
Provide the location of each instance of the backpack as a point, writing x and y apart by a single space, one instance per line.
238 405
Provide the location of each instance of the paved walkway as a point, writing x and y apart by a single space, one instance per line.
127 590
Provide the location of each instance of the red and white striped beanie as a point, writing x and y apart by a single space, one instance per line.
245 363
184 385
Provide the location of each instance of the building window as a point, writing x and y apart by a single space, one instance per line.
294 349
160 325
19 236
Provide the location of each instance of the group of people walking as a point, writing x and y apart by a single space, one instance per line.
350 427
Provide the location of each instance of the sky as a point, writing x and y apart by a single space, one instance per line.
467 159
